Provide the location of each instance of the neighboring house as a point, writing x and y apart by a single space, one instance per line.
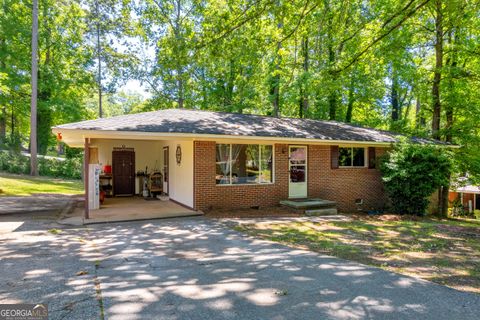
469 197
226 160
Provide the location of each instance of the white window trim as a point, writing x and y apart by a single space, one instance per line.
365 158
259 159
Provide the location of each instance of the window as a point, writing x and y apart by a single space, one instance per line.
351 157
244 164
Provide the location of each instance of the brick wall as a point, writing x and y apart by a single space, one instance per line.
210 195
344 185
340 185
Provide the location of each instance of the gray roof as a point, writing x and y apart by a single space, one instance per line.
234 124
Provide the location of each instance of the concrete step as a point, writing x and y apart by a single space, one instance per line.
311 206
321 212
310 203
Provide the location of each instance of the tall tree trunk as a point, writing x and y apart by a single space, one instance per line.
99 62
351 100
332 97
12 124
452 64
437 76
228 101
306 63
3 125
420 120
396 112
180 70
3 110
276 84
181 98
33 102
275 90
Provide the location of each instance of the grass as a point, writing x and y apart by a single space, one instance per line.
442 251
21 185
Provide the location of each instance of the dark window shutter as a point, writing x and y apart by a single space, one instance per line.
371 158
334 156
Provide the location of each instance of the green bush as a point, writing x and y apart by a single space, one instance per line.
14 163
476 213
17 163
412 172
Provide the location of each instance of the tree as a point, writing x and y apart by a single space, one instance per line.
33 115
412 172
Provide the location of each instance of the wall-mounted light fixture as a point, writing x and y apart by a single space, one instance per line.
178 154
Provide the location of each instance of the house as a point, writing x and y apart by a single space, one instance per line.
468 196
227 160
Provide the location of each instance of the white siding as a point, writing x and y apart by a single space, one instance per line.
150 153
181 175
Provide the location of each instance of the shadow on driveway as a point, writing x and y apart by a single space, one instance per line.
196 268
199 269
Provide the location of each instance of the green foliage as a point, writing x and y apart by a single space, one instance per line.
412 172
456 208
14 163
20 164
476 213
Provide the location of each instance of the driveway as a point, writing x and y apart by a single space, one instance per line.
195 268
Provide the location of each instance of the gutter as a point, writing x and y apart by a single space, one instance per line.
140 135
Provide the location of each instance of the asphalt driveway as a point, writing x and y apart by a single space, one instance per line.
195 268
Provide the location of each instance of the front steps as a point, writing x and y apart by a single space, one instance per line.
311 206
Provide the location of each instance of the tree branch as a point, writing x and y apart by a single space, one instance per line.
376 40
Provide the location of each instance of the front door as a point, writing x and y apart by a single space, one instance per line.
297 165
165 170
123 167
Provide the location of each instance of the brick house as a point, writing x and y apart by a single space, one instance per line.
468 196
226 160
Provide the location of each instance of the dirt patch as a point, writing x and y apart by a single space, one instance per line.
465 231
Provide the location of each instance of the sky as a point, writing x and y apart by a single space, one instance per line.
135 86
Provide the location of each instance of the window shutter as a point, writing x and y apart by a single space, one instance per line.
371 158
334 156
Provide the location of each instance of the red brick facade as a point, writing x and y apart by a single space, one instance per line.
341 185
344 185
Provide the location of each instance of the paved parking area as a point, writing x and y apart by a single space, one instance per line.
196 268
38 203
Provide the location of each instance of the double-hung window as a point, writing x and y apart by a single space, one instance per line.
244 164
351 157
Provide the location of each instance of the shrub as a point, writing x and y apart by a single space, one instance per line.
17 163
412 172
14 163
476 213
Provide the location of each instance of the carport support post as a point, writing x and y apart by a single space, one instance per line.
86 162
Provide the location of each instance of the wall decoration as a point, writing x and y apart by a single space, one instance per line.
178 154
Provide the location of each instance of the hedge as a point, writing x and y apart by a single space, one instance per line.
20 164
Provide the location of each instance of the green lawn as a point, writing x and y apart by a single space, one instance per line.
21 185
443 251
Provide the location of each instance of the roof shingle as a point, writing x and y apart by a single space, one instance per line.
233 124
